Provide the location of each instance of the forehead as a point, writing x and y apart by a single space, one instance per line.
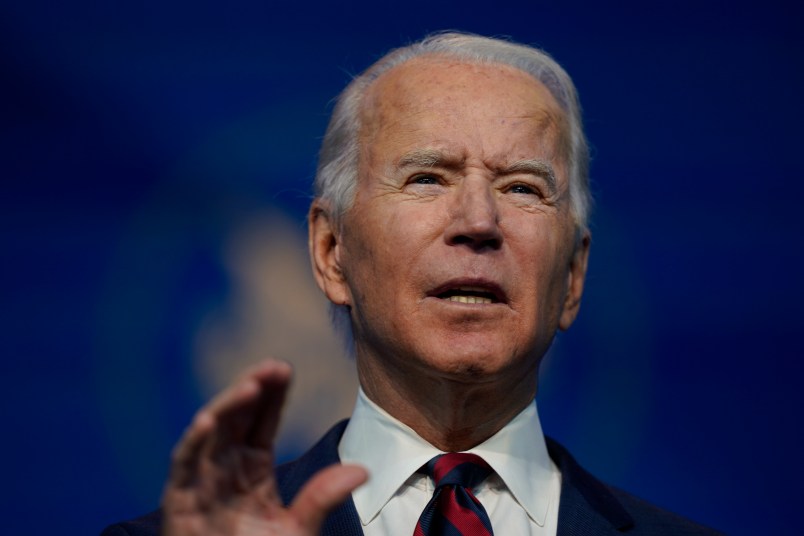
457 100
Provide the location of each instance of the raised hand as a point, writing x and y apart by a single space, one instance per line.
222 478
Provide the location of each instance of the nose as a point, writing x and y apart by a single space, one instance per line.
474 216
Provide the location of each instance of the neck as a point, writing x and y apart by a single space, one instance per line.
451 413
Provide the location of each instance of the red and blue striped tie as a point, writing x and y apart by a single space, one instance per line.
454 510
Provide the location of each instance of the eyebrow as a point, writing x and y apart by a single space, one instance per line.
427 158
534 167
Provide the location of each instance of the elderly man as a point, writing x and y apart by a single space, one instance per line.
449 231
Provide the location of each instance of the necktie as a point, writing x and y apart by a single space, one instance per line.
454 510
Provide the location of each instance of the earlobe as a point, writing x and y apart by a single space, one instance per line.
575 282
325 253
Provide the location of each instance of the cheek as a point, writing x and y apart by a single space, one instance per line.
544 263
409 230
378 251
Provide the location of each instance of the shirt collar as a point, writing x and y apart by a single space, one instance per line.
517 453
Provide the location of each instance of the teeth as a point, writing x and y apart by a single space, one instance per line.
469 299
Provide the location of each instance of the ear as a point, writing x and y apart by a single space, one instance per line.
575 281
324 244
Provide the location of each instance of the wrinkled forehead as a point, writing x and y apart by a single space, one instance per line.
430 84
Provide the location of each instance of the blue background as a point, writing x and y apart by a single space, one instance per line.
134 134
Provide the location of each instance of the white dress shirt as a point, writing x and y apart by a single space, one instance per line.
521 496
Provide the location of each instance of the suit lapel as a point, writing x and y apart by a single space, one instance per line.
290 477
586 505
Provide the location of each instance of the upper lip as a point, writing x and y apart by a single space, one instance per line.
470 286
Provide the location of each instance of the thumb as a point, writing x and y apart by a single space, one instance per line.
326 490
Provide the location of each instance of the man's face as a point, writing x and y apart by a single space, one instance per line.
458 256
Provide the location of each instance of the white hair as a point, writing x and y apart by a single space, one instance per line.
338 163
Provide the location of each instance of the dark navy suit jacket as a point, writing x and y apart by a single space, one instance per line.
587 506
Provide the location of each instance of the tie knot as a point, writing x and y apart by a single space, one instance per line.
458 469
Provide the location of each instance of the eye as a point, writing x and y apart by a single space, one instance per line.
425 179
522 189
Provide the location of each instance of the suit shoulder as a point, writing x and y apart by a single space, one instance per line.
651 519
147 525
588 506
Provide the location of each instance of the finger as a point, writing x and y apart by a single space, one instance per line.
187 452
247 413
227 418
249 385
205 432
268 410
326 490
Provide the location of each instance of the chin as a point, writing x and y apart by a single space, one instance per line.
470 361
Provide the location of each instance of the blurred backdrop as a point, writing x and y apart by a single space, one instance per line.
155 167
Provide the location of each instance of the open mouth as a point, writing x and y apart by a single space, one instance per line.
467 296
472 294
